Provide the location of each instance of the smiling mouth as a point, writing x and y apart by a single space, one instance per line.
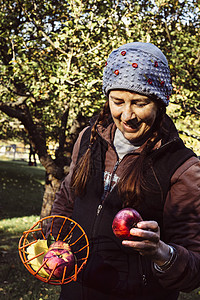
134 123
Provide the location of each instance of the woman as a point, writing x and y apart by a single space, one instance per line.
132 156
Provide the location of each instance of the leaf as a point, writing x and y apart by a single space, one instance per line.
33 250
50 240
53 79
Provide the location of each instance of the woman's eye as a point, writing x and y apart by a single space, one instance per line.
140 104
118 103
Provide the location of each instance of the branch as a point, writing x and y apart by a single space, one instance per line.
190 135
89 51
39 28
20 101
13 50
197 60
11 112
167 31
48 38
69 62
18 93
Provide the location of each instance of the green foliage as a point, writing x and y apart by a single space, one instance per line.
188 126
52 54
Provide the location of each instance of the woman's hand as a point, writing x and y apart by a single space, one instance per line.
149 243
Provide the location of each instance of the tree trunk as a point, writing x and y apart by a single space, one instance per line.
52 186
56 169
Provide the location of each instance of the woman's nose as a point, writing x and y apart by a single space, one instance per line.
128 113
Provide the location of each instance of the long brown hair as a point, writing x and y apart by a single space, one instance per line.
132 180
82 170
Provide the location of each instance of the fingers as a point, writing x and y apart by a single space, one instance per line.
145 235
143 247
148 225
147 230
146 238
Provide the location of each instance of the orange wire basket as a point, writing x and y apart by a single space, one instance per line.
70 232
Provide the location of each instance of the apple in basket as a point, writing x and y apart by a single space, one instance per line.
124 220
59 256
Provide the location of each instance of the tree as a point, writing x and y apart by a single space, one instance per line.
45 62
52 57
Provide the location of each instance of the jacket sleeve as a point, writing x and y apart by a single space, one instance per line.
182 228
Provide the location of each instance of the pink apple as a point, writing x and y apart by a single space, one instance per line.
61 258
124 220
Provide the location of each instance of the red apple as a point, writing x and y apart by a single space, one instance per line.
60 245
59 255
124 220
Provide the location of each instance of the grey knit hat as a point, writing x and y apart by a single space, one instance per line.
138 67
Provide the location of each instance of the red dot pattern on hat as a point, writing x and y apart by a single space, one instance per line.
123 53
135 65
116 72
156 64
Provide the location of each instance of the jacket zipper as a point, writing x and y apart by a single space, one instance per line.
100 206
99 209
105 194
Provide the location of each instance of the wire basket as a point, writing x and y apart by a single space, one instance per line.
70 232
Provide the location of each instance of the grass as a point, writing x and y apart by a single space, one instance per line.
22 189
21 194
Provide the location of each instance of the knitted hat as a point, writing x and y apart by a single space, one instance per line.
138 67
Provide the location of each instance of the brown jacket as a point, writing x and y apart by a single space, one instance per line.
181 213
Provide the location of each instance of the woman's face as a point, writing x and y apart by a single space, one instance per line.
133 114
